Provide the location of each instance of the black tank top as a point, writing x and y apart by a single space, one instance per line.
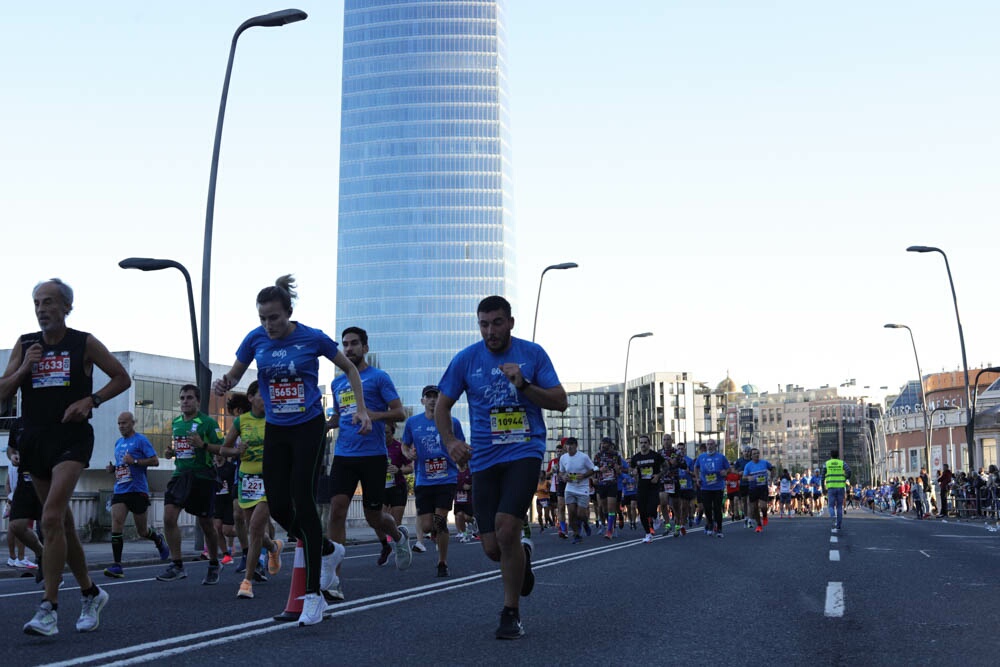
56 381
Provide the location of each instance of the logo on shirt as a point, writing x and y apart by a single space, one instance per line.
280 354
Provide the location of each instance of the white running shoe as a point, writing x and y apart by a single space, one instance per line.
404 554
45 622
328 567
313 606
90 611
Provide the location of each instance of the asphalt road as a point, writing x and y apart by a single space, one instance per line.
884 591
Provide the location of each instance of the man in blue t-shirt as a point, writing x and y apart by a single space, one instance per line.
710 469
507 382
360 457
758 472
435 474
133 454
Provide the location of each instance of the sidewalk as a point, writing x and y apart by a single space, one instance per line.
142 552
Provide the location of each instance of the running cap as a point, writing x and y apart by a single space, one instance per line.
430 389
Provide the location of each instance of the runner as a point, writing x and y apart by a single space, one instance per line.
236 405
542 501
609 465
53 369
785 493
710 468
629 490
396 491
362 456
245 440
757 472
558 489
133 455
287 355
23 510
508 382
435 473
576 469
465 519
647 465
733 480
681 467
667 487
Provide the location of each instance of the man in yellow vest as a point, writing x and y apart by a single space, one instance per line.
835 481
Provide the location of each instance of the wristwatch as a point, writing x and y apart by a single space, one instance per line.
97 400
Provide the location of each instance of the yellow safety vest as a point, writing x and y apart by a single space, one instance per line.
834 477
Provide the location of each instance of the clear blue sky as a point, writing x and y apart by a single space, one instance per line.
742 179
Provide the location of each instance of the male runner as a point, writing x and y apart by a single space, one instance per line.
609 466
647 465
508 382
711 468
196 438
133 454
576 469
53 369
757 472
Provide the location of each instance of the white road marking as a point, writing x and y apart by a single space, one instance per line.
833 540
834 555
834 599
925 553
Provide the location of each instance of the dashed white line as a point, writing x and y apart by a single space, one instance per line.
834 555
833 540
834 599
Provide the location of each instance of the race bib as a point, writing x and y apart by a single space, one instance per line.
683 482
183 448
761 478
390 480
436 468
348 404
608 475
543 502
461 496
646 472
509 425
710 478
251 487
123 474
669 487
52 370
288 396
223 488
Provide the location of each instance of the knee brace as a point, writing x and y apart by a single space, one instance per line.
440 524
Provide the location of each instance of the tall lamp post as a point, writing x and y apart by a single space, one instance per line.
628 350
611 420
923 393
538 300
969 427
202 373
274 19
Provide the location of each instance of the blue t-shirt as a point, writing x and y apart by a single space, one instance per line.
712 471
816 482
379 391
433 465
757 472
627 484
132 478
287 370
505 425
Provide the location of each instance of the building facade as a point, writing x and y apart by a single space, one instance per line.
426 225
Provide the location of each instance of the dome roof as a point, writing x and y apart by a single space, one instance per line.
727 386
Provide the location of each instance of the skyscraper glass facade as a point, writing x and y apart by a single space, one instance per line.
426 225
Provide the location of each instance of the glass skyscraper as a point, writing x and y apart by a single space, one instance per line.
426 225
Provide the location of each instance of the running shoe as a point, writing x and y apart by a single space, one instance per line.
90 611
510 625
404 555
259 573
44 623
274 558
443 570
563 535
313 606
12 562
419 547
528 582
765 520
608 535
719 534
709 533
335 593
246 590
242 567
212 576
172 573
577 540
758 529
383 556
328 567
204 554
114 571
647 539
161 546
227 559
684 530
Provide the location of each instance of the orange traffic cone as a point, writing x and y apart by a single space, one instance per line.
293 608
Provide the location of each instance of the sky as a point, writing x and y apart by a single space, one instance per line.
741 179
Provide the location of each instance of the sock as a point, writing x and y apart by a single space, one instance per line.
611 520
213 562
562 526
178 563
55 605
328 547
90 592
117 546
512 611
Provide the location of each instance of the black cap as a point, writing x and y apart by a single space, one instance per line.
430 389
607 439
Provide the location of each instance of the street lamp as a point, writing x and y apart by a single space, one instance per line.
202 373
923 392
628 350
969 427
556 267
274 19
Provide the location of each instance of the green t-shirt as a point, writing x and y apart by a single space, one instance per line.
188 456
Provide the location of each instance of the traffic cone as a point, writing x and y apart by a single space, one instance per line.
293 608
